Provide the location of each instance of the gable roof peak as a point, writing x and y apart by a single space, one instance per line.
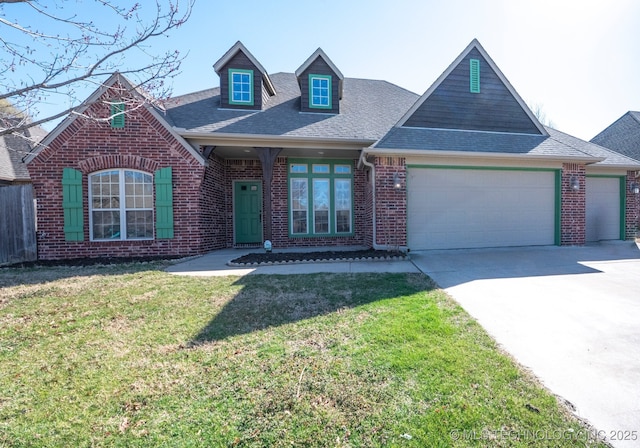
316 54
475 45
128 87
319 53
231 52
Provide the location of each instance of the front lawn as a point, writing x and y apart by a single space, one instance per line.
132 356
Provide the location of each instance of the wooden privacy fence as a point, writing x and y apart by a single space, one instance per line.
17 225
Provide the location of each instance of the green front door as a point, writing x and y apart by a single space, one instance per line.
247 206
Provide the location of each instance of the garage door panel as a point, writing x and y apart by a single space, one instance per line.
467 208
603 208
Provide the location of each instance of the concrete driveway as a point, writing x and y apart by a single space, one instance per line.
570 314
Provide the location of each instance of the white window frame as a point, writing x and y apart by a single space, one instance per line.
122 208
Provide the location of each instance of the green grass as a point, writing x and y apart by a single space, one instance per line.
131 356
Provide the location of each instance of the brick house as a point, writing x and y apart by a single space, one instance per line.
312 158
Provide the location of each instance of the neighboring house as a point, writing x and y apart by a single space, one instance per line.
13 150
312 158
17 212
622 136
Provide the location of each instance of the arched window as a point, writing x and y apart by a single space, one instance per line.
120 205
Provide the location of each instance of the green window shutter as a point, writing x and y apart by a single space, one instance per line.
164 203
117 115
72 205
474 75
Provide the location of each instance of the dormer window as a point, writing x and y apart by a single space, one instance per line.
241 87
320 84
320 92
244 83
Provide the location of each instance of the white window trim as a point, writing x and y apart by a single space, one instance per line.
122 209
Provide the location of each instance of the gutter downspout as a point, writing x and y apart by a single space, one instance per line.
363 161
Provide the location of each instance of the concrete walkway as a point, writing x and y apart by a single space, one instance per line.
570 314
215 264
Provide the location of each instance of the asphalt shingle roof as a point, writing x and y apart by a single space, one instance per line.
13 149
611 158
622 136
557 144
368 109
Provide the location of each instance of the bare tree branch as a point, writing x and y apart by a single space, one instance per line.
541 115
69 49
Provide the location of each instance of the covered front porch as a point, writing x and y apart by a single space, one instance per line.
296 195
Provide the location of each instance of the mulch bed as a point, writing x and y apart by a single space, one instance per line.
308 257
249 259
81 262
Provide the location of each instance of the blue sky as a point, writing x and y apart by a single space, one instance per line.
578 59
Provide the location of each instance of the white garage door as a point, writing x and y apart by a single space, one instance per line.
603 208
467 208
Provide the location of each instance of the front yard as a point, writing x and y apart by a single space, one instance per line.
131 356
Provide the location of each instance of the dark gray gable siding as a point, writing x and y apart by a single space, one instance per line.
319 67
241 62
452 105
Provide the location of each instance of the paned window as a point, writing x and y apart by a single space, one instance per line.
320 91
121 205
320 205
299 205
241 87
321 198
343 205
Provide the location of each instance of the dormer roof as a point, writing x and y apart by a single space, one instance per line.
224 60
361 119
319 53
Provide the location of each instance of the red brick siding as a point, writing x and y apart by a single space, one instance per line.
391 203
280 204
368 207
214 212
573 215
632 212
89 146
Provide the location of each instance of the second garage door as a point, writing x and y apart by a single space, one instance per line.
450 208
603 208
